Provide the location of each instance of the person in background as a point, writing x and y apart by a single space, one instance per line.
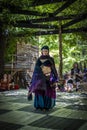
43 81
10 82
69 83
85 73
4 82
76 75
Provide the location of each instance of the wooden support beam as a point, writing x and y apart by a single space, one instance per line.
32 3
39 33
29 25
18 10
51 19
74 30
59 18
64 6
2 48
60 53
75 20
25 12
43 2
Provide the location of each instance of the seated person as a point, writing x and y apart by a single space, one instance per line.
4 82
69 83
10 82
76 75
85 75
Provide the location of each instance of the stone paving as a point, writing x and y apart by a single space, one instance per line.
17 113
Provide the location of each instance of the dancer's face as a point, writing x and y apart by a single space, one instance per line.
45 52
75 65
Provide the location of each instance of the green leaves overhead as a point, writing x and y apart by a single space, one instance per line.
14 12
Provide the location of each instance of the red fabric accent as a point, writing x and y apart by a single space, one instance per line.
16 86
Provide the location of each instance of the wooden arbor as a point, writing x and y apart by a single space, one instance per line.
41 20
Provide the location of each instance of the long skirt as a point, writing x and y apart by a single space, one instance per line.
45 99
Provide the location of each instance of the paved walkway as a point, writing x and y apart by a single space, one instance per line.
17 113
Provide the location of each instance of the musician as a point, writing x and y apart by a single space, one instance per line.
76 75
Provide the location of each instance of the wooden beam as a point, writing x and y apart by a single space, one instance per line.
74 30
60 52
18 10
30 25
51 19
39 33
2 48
25 12
75 20
43 2
31 3
64 6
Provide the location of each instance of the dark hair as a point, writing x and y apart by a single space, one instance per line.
45 47
75 63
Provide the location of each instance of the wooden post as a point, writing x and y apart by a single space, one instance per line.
60 53
2 48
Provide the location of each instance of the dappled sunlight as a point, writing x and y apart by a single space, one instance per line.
14 92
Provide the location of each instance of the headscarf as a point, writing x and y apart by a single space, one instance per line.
45 47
